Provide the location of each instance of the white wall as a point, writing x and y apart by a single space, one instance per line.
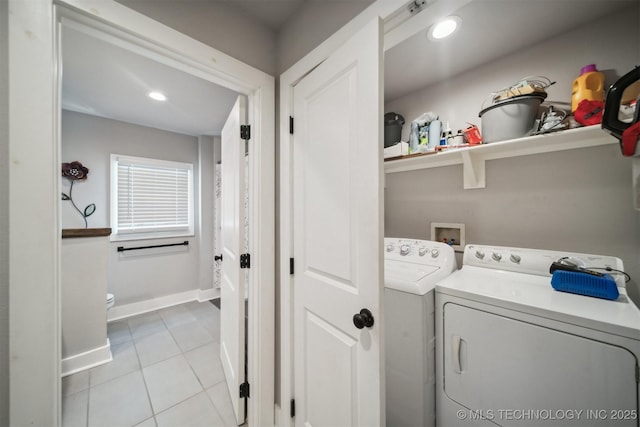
217 24
136 276
577 200
33 189
4 220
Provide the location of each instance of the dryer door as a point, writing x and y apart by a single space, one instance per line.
517 373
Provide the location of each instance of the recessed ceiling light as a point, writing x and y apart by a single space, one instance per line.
444 28
158 96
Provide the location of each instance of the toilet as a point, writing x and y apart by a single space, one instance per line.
110 301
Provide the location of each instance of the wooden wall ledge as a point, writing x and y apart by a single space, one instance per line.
85 232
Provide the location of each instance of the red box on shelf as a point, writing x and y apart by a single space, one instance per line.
472 135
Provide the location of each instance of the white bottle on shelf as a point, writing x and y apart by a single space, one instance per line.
434 134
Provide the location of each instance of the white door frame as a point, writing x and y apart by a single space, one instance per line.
399 25
34 202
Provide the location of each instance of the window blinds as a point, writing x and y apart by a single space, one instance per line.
153 196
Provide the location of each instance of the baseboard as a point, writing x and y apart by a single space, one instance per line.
118 312
88 359
276 413
208 294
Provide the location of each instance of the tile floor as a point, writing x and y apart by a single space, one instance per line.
166 372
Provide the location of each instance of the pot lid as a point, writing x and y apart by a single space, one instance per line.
538 95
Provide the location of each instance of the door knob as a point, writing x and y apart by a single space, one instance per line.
362 319
217 258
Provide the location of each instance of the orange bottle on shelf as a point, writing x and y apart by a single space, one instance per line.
589 85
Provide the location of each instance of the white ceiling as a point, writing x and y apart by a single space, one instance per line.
104 80
108 81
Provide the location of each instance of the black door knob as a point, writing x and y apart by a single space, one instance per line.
217 258
362 319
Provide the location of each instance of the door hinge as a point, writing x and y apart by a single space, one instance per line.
244 389
245 261
245 132
291 125
293 408
291 266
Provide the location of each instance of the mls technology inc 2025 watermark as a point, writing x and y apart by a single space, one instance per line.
547 414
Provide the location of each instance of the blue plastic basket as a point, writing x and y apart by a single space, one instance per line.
585 284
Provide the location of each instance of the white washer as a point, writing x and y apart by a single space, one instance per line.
412 268
512 351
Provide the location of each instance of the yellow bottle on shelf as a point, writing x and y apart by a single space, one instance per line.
589 85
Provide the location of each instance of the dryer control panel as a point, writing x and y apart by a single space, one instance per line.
536 261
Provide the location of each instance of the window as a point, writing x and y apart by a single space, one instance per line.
150 198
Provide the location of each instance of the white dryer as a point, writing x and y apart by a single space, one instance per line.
412 268
513 351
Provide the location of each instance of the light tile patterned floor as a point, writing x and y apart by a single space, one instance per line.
166 372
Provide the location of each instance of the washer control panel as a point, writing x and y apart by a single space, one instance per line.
535 261
419 251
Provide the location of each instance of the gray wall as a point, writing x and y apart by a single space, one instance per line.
578 200
217 24
230 30
83 271
4 218
311 24
460 98
205 226
143 275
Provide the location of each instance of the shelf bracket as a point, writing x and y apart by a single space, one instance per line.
473 170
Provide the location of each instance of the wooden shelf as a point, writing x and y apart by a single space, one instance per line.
85 232
473 159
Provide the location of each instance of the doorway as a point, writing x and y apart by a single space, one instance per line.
356 323
135 125
38 350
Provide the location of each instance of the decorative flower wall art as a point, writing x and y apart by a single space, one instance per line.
75 171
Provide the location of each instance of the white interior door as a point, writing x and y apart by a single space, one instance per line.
337 212
232 313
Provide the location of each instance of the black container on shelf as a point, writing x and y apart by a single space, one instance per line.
392 129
